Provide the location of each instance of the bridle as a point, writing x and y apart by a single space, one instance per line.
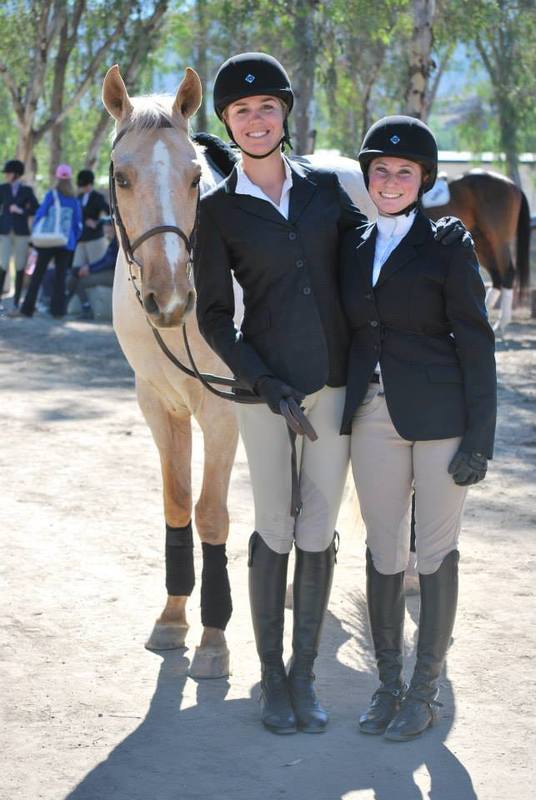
297 422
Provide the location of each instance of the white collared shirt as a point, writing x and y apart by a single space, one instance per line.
391 231
246 186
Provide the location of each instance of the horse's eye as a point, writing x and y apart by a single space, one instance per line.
122 180
196 181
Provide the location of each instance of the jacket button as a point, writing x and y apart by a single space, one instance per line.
292 236
368 297
307 290
299 263
373 323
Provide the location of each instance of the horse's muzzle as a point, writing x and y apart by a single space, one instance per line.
170 314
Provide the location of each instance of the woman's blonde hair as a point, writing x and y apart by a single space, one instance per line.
65 186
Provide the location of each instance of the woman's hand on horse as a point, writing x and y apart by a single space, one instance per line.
468 468
272 391
451 230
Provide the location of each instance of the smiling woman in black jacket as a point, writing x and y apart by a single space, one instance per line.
420 406
276 226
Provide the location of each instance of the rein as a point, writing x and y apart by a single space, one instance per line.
297 422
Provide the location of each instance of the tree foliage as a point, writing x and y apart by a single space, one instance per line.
349 61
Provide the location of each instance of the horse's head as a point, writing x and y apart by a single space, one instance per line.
156 173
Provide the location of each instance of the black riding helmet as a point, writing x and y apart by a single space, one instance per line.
14 166
401 137
247 75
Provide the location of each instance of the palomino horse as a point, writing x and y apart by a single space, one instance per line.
158 174
496 212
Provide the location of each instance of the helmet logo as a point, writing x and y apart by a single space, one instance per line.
395 139
249 78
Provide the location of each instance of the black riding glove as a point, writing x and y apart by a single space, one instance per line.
468 468
451 230
272 391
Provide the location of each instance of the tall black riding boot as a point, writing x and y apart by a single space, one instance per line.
312 584
2 279
439 597
19 280
386 607
267 588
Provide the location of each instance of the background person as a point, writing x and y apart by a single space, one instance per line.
92 244
72 222
98 273
420 406
18 204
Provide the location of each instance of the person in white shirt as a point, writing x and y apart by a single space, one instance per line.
420 408
276 225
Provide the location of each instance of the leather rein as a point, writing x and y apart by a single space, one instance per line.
297 422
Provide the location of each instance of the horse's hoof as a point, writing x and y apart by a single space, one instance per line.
169 636
210 662
289 597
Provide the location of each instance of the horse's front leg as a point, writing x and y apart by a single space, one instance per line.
173 437
220 435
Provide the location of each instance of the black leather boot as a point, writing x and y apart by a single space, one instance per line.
312 584
2 279
267 588
386 607
19 280
439 597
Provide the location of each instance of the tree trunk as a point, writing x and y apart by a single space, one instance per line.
99 134
304 77
420 60
201 60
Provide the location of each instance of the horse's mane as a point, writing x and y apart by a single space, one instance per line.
151 112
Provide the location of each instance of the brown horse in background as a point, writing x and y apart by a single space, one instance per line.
496 212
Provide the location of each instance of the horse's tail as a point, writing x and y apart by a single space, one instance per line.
523 243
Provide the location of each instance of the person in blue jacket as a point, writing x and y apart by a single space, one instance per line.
62 255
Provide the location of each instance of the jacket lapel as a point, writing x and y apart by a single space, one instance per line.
365 254
302 192
419 232
253 205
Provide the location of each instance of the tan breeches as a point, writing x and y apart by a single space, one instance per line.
89 252
16 246
386 469
322 466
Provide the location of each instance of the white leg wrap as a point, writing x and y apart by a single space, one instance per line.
505 315
492 295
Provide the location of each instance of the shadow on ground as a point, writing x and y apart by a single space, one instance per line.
217 748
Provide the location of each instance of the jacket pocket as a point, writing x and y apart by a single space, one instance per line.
444 373
256 323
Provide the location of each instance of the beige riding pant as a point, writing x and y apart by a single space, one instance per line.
322 467
386 469
17 246
89 252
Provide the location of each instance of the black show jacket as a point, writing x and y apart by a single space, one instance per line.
294 327
25 199
95 206
425 322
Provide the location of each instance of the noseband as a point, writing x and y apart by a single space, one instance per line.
297 422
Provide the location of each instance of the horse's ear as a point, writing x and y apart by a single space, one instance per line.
189 95
115 96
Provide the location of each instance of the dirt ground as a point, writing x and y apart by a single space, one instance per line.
89 714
